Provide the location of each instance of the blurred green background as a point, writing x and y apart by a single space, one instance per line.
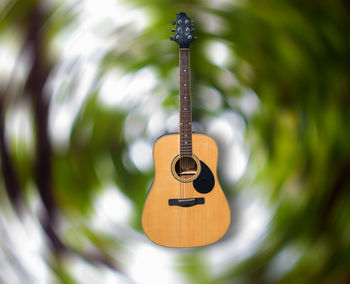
87 86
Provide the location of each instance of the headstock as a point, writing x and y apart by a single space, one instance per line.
183 31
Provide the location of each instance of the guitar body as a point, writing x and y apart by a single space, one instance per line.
184 212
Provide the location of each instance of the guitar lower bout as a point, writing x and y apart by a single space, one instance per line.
185 206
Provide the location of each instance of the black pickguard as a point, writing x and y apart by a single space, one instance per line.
205 181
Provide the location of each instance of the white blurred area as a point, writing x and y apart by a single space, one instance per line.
80 48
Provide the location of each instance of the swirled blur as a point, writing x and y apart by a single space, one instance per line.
86 87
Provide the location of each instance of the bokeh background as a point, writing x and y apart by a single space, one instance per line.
87 86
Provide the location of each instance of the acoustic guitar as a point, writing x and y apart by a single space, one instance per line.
185 206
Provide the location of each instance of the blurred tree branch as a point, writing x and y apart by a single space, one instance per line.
35 85
11 178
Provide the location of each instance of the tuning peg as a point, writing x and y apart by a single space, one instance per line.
193 30
194 38
192 22
172 38
173 22
173 30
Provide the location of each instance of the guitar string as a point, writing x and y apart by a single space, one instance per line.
185 120
187 113
185 127
185 132
185 124
181 127
187 105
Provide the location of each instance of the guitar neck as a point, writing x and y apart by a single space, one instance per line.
185 103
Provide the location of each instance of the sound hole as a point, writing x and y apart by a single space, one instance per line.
186 168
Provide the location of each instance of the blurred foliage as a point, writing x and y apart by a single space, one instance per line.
293 54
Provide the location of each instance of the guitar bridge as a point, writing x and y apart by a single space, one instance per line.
186 202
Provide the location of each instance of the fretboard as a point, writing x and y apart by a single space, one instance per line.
185 103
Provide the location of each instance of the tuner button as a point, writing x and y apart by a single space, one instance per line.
193 29
195 38
192 22
172 38
173 30
173 22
